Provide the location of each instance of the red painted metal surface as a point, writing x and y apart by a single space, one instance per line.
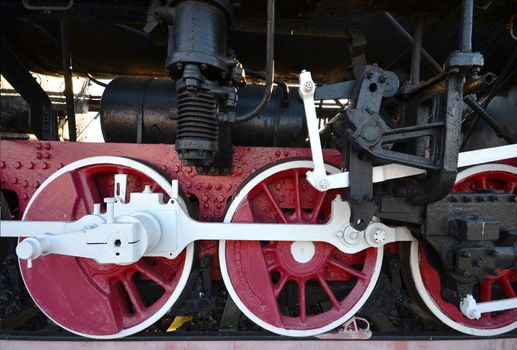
24 165
79 294
493 288
261 272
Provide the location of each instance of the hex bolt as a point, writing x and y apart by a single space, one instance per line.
465 254
378 235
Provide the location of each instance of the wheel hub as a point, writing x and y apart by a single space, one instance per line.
302 252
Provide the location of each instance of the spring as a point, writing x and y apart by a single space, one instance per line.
197 125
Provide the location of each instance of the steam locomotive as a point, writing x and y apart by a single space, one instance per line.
292 165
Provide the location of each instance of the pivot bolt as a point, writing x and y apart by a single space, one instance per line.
323 184
378 235
308 86
349 235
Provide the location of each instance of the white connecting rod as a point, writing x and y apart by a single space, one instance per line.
148 227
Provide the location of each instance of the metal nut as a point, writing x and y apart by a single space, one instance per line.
378 235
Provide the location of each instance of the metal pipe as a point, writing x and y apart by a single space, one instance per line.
270 65
467 16
409 38
67 72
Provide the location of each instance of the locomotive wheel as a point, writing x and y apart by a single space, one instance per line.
100 300
427 279
293 288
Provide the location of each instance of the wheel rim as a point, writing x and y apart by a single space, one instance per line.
427 278
293 288
91 299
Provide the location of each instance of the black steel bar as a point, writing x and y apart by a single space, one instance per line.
501 132
270 65
42 120
467 17
67 73
409 38
416 54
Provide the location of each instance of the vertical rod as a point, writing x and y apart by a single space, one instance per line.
67 72
416 54
467 18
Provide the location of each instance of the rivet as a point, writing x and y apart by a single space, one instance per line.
176 169
239 171
45 165
204 198
38 155
286 153
39 146
220 198
25 183
31 165
60 165
36 184
208 187
47 146
219 206
18 165
278 153
188 169
218 187
2 164
14 180
46 155
25 196
228 186
164 167
188 185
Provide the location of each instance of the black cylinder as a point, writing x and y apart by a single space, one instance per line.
198 35
126 102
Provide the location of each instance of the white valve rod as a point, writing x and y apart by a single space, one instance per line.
473 310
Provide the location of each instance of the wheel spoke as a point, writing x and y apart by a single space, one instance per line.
342 266
510 186
481 182
507 286
154 276
277 288
86 191
328 291
134 294
317 207
269 195
485 293
302 301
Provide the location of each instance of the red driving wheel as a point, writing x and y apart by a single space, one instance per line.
293 288
81 295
